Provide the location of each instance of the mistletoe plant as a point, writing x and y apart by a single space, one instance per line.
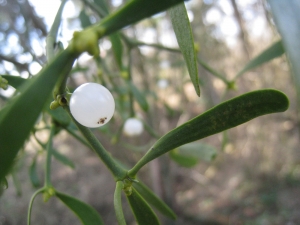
92 105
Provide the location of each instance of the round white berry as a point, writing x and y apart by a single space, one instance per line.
133 127
92 105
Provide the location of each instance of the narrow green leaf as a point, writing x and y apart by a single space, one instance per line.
17 183
143 214
272 52
224 116
154 200
3 185
34 178
183 160
138 96
102 5
52 35
63 159
134 11
87 214
185 39
118 203
84 19
117 48
198 150
20 114
287 20
59 115
212 71
14 81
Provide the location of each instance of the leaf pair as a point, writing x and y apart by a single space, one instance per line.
138 200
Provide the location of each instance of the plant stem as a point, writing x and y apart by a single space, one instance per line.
118 172
31 203
79 138
48 159
212 71
118 203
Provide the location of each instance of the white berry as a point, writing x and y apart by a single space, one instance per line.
92 105
133 127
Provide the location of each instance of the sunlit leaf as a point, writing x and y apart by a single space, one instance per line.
87 214
20 114
154 200
274 51
287 19
185 39
63 159
224 116
143 214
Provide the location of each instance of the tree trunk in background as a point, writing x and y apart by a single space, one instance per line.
243 33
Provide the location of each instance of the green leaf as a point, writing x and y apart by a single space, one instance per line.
224 116
51 38
19 115
34 178
3 185
87 214
198 150
274 51
63 159
154 200
139 96
102 5
134 11
188 155
287 19
118 203
183 160
59 115
14 81
185 39
143 214
117 48
84 19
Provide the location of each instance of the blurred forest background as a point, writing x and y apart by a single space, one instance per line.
254 177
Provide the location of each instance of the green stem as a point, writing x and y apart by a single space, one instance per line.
132 43
118 203
129 79
79 138
118 172
212 71
150 130
31 203
48 159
